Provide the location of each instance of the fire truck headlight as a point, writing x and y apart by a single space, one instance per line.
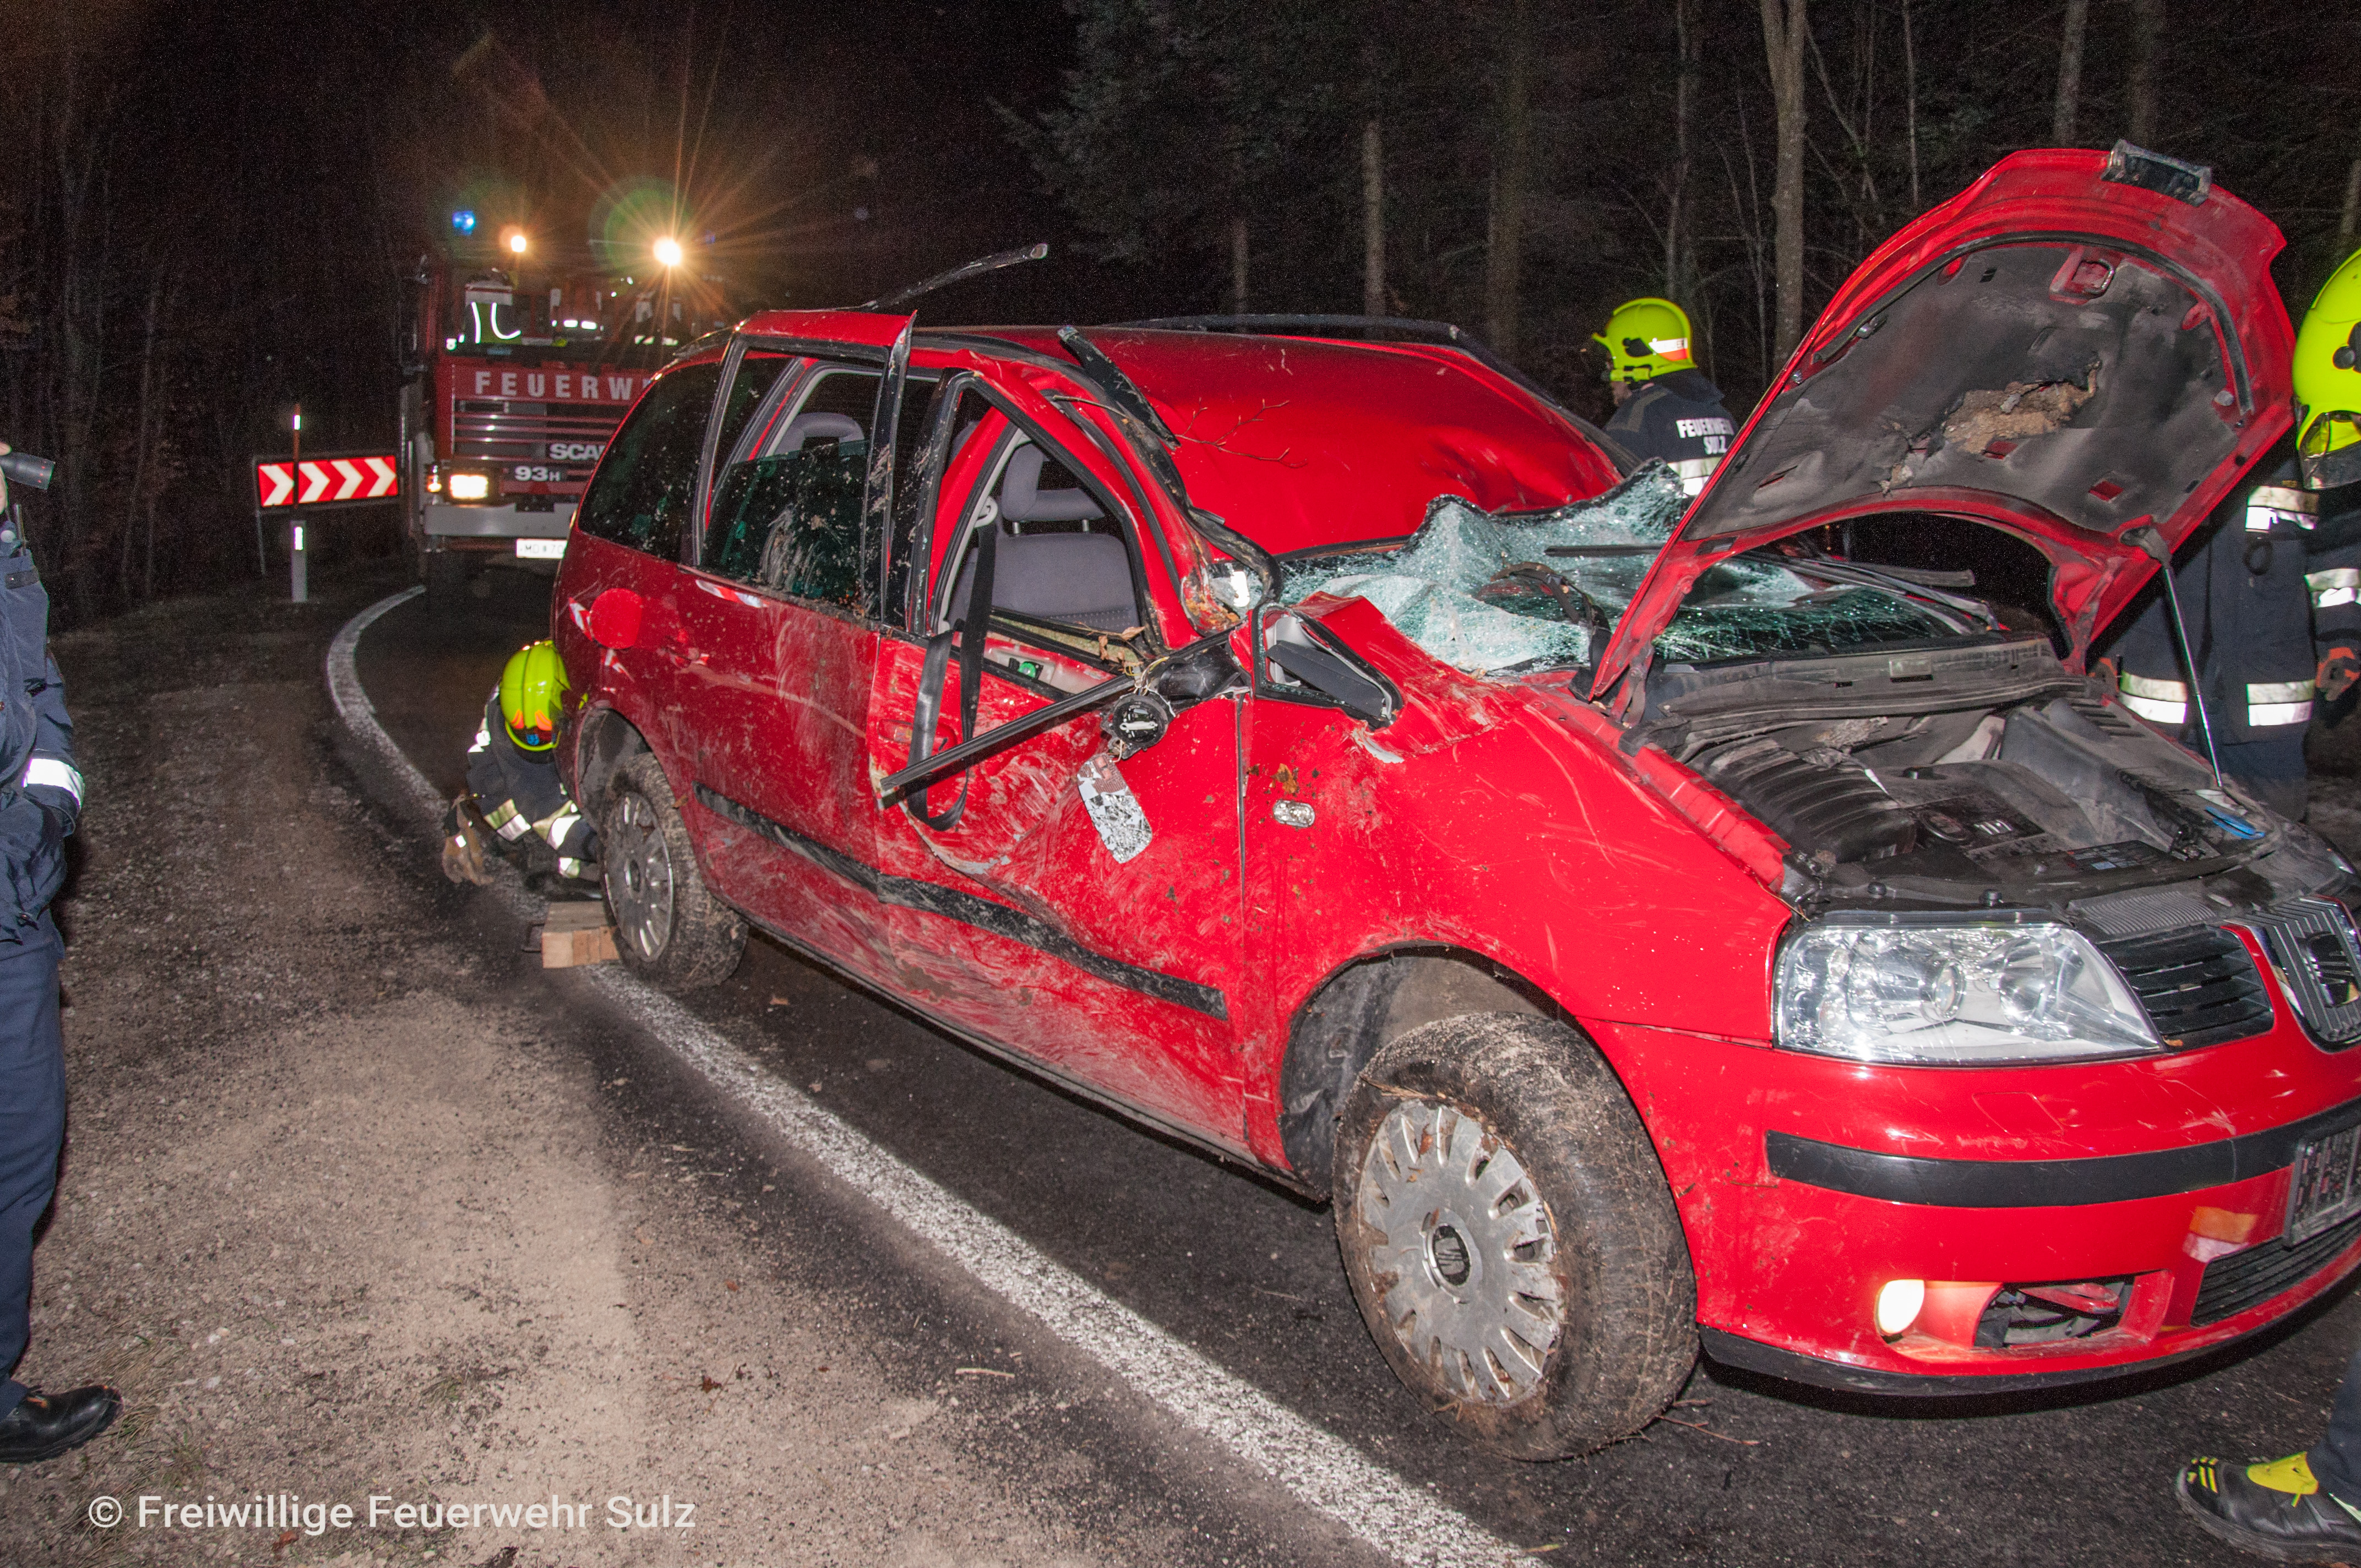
668 251
467 486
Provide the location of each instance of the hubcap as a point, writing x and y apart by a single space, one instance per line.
1461 1261
639 876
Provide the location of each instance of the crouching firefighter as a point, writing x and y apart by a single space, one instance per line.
515 801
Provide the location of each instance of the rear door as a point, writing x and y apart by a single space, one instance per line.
779 611
1071 904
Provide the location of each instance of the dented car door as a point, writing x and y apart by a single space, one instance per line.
1074 898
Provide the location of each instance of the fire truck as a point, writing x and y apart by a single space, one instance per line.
518 372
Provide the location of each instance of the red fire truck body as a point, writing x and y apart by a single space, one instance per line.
516 383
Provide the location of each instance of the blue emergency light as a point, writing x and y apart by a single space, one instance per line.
464 220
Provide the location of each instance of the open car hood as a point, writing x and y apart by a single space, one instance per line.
2078 345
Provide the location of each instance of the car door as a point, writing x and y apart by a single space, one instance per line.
779 615
1073 897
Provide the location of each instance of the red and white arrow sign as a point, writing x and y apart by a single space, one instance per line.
325 481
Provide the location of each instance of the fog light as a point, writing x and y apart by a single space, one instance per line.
1898 1301
470 487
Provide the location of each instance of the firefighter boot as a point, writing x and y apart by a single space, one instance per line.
2274 1509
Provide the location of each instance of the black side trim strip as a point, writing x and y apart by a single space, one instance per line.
968 909
2046 1183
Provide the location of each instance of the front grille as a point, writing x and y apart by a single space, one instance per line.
2311 942
2198 984
2249 1278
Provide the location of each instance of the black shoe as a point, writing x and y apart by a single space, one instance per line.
43 1426
2274 1509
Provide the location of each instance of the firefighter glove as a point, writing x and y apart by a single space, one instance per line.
2338 671
463 851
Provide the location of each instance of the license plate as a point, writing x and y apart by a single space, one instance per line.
2323 1187
540 549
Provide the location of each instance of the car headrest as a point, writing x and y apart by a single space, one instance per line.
1022 498
824 427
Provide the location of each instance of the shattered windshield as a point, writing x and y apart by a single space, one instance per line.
1501 592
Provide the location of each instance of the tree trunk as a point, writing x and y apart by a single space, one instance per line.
1510 166
2350 222
1238 266
1783 27
1678 267
2070 74
143 441
2147 46
1910 98
1373 222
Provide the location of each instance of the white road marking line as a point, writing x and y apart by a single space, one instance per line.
1318 1467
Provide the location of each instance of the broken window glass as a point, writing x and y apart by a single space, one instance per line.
1496 592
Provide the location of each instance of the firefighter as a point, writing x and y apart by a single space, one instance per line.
1663 405
37 812
2307 1506
2272 595
514 793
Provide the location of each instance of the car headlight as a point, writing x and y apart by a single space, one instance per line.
1936 990
469 486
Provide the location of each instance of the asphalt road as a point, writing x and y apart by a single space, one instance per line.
1248 1275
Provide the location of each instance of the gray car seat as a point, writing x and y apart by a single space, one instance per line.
1079 579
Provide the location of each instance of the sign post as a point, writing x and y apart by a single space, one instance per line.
297 485
298 579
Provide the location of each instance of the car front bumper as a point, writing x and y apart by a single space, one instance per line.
1806 1184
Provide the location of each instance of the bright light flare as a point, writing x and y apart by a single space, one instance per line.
1898 1305
668 251
517 244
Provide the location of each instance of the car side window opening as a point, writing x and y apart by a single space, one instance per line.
646 486
787 516
1062 567
750 392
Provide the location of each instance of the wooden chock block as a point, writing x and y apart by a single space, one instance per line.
576 933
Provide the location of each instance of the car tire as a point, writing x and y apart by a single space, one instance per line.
1545 1306
669 928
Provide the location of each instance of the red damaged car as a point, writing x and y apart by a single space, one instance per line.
1652 923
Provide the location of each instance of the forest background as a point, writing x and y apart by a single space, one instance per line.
210 211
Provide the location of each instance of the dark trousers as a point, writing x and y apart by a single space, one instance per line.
2336 1458
32 1127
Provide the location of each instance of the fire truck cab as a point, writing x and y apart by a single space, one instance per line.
519 373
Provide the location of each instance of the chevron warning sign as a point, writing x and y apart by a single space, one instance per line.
325 481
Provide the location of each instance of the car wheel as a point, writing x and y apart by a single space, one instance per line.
669 928
1510 1238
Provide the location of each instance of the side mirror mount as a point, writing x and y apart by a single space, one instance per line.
615 618
1299 657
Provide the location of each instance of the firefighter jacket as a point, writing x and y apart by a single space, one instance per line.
520 793
40 790
1680 419
2265 592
